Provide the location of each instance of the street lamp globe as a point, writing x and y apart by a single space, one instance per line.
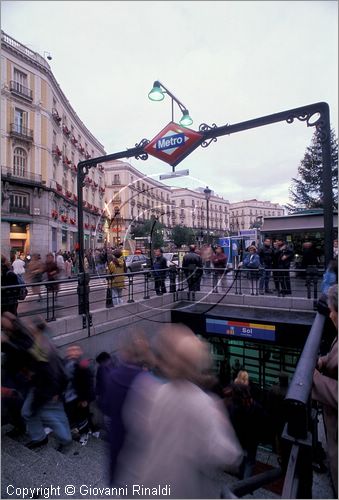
156 94
186 120
207 193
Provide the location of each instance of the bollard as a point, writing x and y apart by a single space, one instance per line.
172 277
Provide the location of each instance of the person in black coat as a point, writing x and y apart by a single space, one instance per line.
160 267
266 259
9 297
79 392
193 269
249 420
284 258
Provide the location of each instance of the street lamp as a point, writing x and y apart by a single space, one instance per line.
157 94
117 217
207 193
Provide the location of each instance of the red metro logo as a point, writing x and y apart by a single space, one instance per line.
173 143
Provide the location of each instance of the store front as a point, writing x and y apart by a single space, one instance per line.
19 237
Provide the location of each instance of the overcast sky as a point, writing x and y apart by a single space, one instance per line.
226 61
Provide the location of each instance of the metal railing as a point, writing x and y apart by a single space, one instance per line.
301 426
21 90
21 131
144 285
24 175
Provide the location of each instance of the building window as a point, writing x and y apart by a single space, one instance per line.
19 162
20 120
65 181
19 202
116 179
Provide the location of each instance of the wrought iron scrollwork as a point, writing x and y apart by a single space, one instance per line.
142 144
319 123
203 128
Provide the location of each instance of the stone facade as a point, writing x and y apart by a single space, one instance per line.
247 214
42 141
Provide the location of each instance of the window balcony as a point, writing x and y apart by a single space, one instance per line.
18 210
17 173
20 90
56 116
21 132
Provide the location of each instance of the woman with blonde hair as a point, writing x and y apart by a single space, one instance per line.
242 378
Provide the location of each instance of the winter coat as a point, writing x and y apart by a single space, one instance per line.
192 442
10 296
116 267
325 390
159 264
284 257
219 262
266 256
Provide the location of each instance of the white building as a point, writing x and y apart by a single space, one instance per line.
243 214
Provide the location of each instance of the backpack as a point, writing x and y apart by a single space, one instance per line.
22 291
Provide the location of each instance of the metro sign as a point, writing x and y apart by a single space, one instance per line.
173 143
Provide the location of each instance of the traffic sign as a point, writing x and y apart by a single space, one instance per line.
174 143
178 173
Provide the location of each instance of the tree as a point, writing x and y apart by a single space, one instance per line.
143 229
306 189
182 235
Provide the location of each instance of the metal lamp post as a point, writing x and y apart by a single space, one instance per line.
117 217
207 193
157 94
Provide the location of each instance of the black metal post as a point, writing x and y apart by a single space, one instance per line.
208 220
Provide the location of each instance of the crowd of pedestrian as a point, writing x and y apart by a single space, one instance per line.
165 417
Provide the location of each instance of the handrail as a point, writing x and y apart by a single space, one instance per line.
298 394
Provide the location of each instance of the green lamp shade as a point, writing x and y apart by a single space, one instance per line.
156 93
186 120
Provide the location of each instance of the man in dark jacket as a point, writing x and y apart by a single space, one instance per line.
266 259
160 267
193 269
284 258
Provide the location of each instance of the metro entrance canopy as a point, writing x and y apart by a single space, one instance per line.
174 143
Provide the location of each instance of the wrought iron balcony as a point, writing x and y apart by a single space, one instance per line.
19 210
21 90
17 173
21 132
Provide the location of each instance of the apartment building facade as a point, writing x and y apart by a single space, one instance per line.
42 141
191 208
132 197
247 214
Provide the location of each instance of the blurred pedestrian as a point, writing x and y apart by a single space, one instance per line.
35 274
43 406
219 261
192 440
52 271
79 392
9 296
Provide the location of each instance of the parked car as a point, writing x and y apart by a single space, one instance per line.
172 259
135 263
